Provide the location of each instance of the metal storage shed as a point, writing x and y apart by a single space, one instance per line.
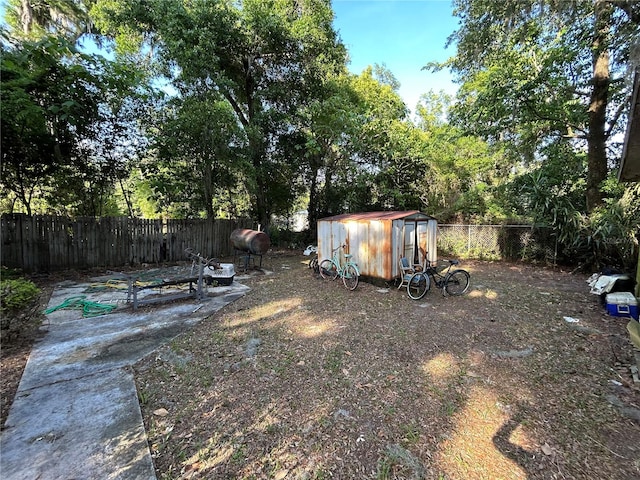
377 240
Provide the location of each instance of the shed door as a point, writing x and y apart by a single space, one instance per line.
409 241
424 244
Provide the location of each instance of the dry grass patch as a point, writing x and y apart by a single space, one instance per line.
302 379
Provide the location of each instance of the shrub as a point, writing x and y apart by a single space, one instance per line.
18 303
8 273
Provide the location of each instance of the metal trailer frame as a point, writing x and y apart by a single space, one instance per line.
196 292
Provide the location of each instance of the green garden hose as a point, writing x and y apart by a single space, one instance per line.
89 309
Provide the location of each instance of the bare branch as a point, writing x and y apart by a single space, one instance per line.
615 118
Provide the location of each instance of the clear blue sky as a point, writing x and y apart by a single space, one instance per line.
403 35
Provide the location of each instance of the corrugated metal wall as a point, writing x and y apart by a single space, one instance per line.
377 244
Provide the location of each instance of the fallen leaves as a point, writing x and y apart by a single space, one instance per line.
343 385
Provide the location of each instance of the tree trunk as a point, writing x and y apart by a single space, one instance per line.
261 206
26 17
327 194
127 198
207 189
257 148
597 148
21 193
313 208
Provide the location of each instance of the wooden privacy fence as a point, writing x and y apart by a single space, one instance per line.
42 243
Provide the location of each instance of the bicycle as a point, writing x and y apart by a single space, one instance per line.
196 258
452 283
313 264
335 267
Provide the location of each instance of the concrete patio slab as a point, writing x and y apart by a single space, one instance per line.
76 413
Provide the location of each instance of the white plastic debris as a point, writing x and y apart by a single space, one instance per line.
310 249
604 283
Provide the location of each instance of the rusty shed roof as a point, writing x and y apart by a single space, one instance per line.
394 215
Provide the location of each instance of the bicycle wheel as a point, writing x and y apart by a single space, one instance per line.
328 270
313 264
418 285
350 277
457 282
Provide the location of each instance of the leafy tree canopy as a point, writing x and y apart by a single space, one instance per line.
535 72
266 59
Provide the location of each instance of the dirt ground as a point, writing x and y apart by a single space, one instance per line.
302 379
15 348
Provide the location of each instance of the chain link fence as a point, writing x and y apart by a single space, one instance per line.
497 242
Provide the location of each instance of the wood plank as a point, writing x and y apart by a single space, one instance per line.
43 242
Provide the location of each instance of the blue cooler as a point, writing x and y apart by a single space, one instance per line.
622 304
